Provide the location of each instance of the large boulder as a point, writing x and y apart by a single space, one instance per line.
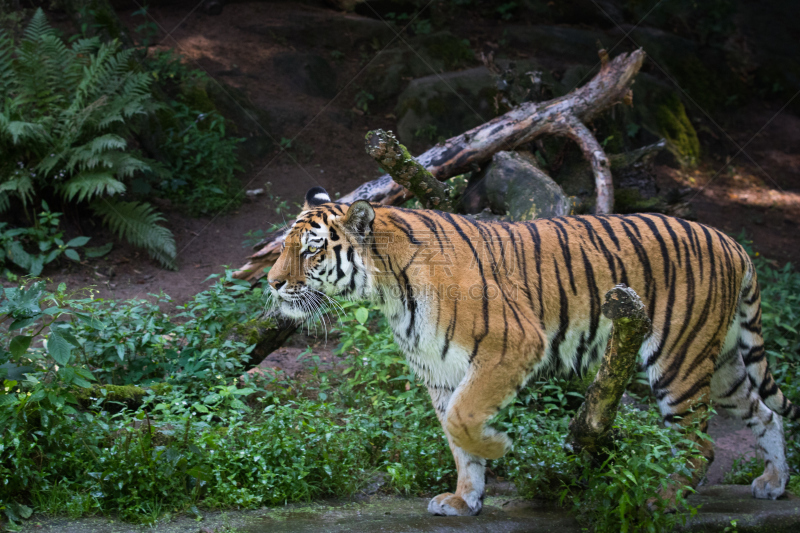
318 27
423 55
562 44
310 74
444 105
514 186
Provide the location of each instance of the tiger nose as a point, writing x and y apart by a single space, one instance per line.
277 284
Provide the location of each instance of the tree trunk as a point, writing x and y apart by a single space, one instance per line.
521 125
588 430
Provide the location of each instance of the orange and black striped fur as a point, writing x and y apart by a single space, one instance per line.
479 308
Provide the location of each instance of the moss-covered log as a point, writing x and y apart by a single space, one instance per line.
131 396
268 335
589 428
395 159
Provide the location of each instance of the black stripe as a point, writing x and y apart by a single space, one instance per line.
563 242
662 245
594 298
563 317
609 230
735 387
337 253
403 226
692 391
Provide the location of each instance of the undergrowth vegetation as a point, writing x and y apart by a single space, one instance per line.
121 408
88 124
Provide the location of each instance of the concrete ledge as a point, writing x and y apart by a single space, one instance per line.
720 505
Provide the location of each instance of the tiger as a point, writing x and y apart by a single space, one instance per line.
479 308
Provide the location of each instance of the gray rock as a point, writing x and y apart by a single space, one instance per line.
309 73
322 28
344 5
444 105
422 55
720 505
513 185
567 44
723 503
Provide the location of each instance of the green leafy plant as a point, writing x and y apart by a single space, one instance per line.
506 10
363 98
34 247
743 471
201 162
66 112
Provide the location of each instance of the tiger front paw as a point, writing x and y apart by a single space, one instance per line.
768 486
449 504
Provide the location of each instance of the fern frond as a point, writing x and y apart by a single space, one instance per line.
22 186
38 27
105 142
125 165
138 224
87 185
24 131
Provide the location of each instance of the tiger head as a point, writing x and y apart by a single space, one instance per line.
324 254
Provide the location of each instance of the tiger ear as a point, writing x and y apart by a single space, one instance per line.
358 219
316 196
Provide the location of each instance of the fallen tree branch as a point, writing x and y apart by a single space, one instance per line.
595 417
521 125
393 157
596 156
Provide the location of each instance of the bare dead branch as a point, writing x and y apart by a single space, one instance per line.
596 156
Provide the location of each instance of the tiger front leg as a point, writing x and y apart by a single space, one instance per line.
465 414
468 498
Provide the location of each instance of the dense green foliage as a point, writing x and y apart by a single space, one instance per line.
86 124
67 111
202 435
190 139
202 160
34 247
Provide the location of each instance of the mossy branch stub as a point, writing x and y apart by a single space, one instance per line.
596 416
395 159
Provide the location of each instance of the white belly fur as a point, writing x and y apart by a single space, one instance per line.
423 346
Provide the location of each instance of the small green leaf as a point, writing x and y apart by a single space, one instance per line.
22 323
362 315
81 383
78 241
72 254
98 251
201 474
58 348
19 345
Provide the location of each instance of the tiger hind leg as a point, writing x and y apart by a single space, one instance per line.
684 404
733 390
